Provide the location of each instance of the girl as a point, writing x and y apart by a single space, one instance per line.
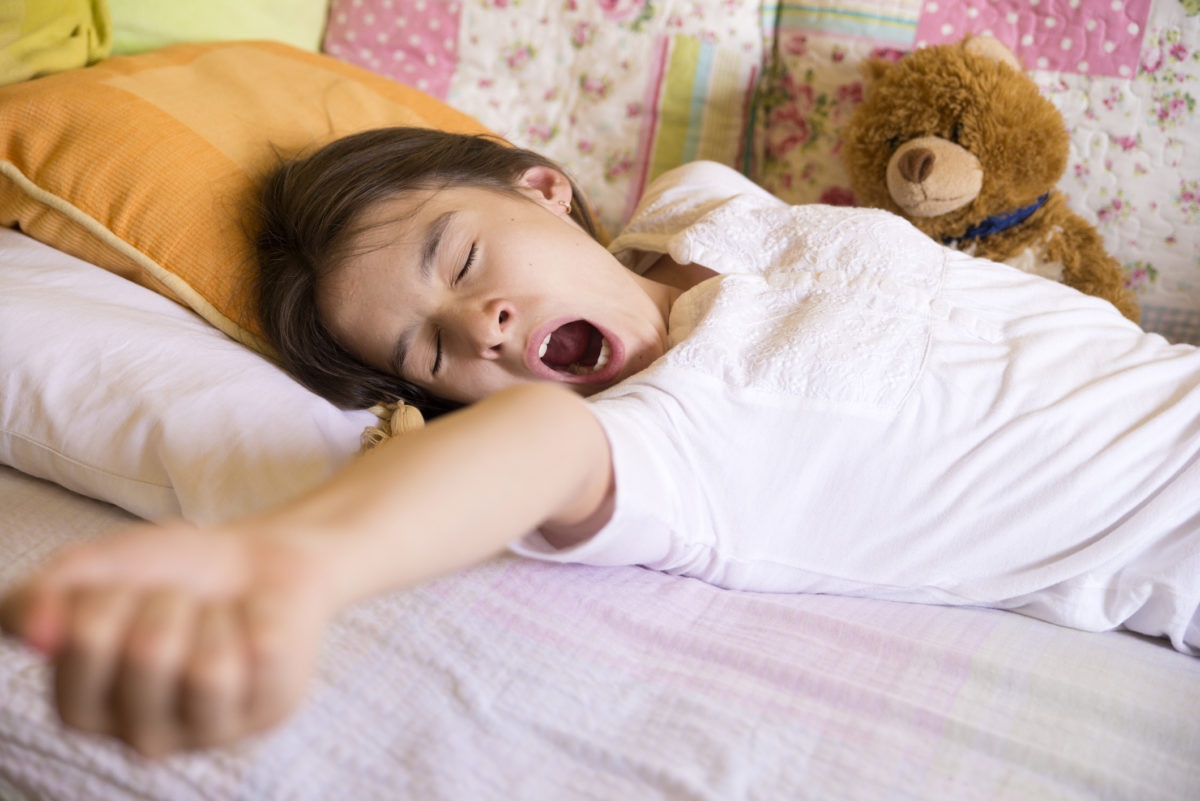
789 399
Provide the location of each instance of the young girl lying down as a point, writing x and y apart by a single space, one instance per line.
781 399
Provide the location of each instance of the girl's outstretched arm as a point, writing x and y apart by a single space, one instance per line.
175 637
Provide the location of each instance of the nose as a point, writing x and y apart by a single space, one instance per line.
488 328
916 164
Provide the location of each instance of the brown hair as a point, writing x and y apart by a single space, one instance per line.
309 210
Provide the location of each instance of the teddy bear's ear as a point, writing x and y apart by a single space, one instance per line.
873 69
992 48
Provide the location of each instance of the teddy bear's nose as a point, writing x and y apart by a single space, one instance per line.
916 164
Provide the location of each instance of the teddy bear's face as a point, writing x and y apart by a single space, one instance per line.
950 136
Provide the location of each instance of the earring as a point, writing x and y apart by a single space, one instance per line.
565 205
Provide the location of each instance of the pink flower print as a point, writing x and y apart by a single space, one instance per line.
621 10
1152 59
582 33
593 87
551 94
1111 212
789 117
779 144
838 55
1188 200
586 146
540 131
801 95
1113 99
1140 275
1179 51
804 99
617 167
633 110
887 54
1172 109
787 130
519 56
1126 143
796 45
851 93
838 196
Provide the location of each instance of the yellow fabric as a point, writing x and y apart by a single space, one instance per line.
38 37
141 25
147 165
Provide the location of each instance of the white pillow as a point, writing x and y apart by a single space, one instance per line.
115 392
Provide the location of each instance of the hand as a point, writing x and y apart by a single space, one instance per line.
174 637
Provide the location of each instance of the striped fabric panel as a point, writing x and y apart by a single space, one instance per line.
700 95
892 21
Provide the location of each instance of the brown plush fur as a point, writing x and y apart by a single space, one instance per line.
954 134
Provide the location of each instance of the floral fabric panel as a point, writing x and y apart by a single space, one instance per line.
616 90
1124 73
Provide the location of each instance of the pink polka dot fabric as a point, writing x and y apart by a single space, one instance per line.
1089 37
412 41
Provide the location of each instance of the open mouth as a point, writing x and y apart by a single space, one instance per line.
577 348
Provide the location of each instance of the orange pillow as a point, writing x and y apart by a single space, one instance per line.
146 165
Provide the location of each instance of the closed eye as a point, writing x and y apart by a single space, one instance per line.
467 266
437 349
437 342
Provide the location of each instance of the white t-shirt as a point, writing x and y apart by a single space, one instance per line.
851 408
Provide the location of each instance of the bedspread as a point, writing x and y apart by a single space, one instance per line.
524 680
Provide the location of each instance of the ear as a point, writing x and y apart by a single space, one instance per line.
872 70
992 48
548 186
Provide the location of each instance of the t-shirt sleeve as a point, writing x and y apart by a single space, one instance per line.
649 511
673 202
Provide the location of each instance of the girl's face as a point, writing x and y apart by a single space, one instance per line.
465 291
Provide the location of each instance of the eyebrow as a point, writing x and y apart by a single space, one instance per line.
430 244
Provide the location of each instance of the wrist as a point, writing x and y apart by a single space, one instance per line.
301 552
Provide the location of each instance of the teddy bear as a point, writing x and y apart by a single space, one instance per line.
958 139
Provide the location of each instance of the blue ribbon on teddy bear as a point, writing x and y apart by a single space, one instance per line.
1000 222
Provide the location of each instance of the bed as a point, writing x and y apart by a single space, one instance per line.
134 385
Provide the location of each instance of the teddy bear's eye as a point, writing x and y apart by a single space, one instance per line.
893 142
956 133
